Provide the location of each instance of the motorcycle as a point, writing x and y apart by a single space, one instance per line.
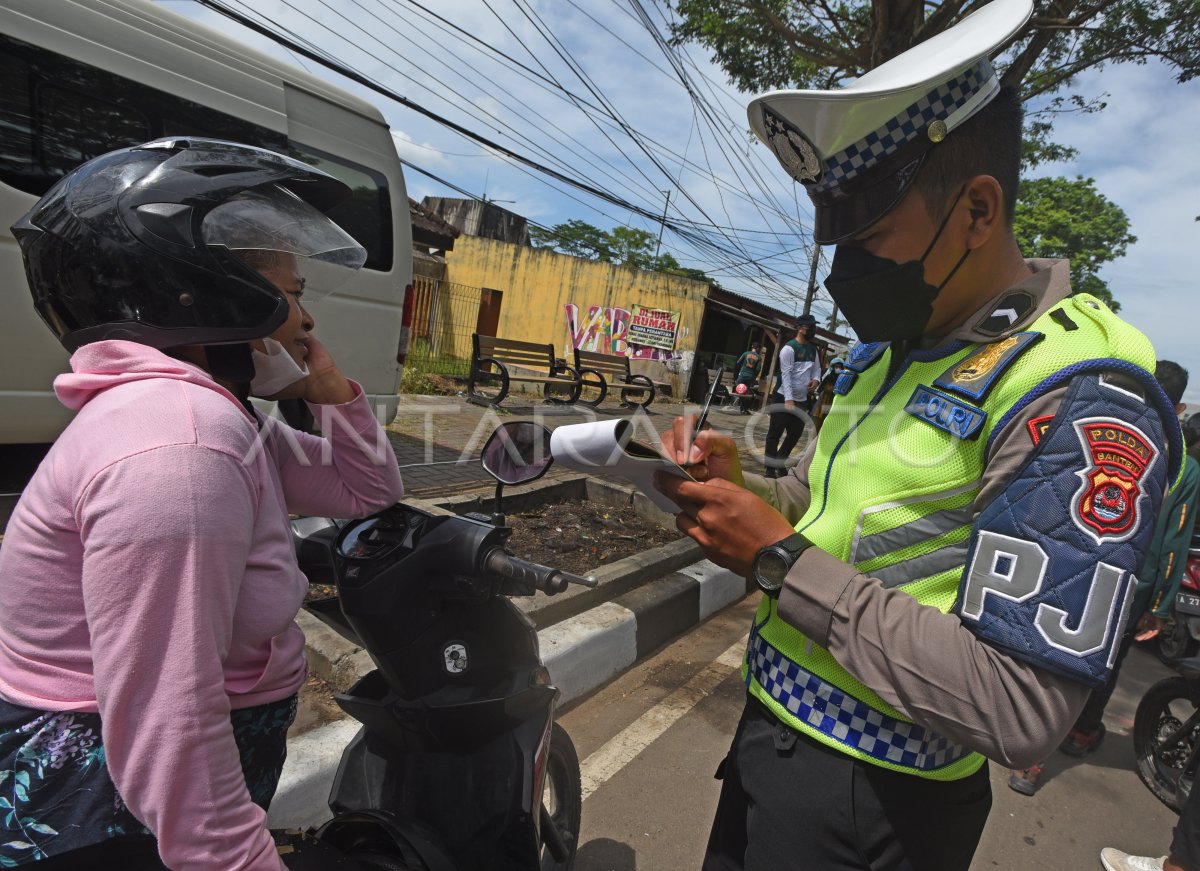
459 764
1166 735
1180 636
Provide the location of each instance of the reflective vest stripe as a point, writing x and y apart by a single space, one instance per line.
925 566
836 714
922 529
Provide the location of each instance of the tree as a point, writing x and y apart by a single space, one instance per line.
767 44
577 238
627 246
1061 217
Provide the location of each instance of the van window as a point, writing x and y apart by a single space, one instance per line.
367 215
51 121
54 120
76 127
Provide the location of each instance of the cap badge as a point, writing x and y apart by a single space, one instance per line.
795 152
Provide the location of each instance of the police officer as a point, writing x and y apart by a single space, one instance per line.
948 572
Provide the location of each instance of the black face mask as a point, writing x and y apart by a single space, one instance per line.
885 301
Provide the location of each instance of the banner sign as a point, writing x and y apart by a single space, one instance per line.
655 328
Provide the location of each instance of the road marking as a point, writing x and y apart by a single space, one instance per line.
642 732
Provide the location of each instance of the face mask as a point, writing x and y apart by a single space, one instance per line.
885 301
274 371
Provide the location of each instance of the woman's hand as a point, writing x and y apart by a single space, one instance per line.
325 384
711 455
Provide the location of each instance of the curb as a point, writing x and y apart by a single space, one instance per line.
582 653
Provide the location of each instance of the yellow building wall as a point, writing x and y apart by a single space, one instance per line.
539 285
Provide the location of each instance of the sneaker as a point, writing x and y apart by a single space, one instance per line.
1025 781
1115 860
1079 743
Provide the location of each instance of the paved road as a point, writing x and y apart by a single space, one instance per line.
651 740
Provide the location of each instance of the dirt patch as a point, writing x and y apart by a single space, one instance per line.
577 536
316 707
574 535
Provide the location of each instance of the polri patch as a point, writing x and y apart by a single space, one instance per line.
976 374
1107 505
947 413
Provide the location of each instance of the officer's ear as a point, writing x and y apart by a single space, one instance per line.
983 198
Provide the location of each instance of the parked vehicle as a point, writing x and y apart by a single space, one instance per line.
79 78
1166 735
459 765
1181 636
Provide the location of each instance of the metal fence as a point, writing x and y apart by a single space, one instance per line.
444 317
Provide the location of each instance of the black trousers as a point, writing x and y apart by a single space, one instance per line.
1185 845
784 429
789 803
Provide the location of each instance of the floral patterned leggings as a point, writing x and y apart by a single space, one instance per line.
56 796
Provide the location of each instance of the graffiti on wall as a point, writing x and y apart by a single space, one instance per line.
606 330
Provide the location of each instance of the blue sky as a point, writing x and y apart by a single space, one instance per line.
1140 149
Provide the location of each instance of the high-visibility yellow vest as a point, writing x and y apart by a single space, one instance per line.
898 465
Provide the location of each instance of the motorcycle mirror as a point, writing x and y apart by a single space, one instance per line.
517 452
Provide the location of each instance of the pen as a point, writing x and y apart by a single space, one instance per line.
703 418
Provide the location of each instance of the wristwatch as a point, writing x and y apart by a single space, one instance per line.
773 562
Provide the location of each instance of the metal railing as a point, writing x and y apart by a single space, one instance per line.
444 317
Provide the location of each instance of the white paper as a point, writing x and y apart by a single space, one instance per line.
606 447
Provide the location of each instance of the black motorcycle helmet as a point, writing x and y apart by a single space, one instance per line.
148 243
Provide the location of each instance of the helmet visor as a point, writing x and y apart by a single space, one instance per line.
272 228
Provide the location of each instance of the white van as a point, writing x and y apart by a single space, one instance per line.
79 78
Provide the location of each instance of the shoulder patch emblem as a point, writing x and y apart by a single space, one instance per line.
1107 503
974 375
1012 310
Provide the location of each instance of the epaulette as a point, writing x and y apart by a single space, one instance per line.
860 358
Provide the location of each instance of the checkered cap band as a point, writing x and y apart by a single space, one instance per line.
938 104
821 706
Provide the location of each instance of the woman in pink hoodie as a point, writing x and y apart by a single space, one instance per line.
149 658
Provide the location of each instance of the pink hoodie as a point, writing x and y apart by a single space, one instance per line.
148 574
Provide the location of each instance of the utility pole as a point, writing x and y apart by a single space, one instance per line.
661 225
812 278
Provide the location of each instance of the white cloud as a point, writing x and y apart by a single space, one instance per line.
1141 152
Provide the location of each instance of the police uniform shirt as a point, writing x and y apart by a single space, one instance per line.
888 640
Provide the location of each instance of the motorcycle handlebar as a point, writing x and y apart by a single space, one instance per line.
548 580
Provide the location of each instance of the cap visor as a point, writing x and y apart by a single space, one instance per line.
839 216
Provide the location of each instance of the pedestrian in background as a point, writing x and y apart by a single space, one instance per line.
799 374
1158 581
749 368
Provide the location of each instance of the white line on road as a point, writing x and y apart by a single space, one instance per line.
642 732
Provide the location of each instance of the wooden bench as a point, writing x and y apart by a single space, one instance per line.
493 361
596 370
